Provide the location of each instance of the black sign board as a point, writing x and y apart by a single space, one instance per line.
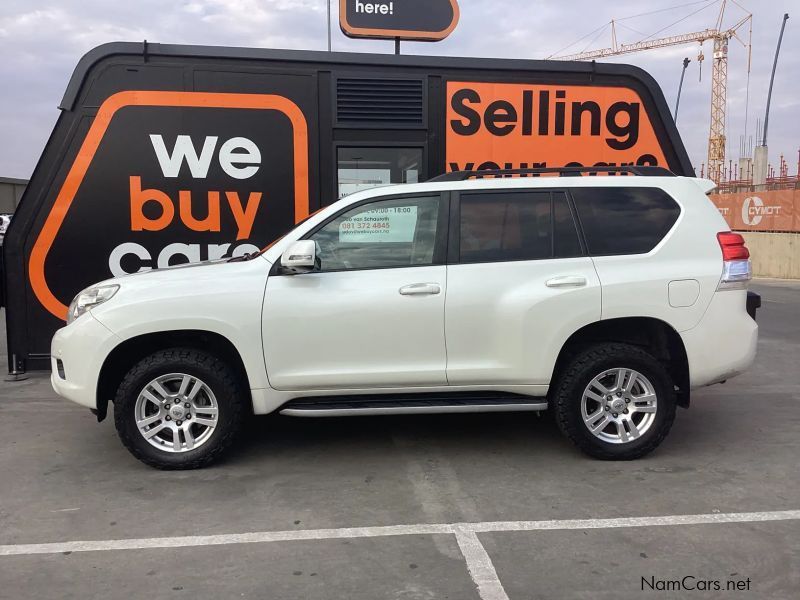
421 20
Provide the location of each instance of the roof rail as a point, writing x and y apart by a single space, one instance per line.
561 171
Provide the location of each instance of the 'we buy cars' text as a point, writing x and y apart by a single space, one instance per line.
238 157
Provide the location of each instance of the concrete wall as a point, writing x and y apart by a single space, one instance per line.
774 254
10 193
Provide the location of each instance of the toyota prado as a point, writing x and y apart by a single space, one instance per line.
605 299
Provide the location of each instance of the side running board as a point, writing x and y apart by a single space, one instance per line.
410 404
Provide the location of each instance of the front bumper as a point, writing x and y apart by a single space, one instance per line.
82 347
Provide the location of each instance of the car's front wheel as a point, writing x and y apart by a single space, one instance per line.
179 409
615 401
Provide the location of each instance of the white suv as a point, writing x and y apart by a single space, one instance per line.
606 299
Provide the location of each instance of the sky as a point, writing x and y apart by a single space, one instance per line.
41 41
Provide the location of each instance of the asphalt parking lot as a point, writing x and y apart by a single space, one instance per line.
491 506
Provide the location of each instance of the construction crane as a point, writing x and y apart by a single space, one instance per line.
719 72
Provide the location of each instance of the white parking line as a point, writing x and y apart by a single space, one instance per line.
480 566
478 561
257 537
704 519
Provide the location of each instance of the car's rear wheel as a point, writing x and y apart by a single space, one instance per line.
615 401
179 409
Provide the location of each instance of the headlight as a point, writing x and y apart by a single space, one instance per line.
89 298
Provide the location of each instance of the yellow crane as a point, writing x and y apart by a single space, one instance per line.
719 71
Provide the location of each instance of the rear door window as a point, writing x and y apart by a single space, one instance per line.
624 220
500 226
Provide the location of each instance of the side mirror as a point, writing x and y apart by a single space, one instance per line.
300 257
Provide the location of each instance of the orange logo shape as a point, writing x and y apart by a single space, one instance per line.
36 264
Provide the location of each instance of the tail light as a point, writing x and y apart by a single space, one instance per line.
736 270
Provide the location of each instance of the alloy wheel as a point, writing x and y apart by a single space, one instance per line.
176 412
619 405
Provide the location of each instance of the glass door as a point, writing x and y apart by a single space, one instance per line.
362 167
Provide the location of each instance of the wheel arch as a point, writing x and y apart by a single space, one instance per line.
654 335
126 354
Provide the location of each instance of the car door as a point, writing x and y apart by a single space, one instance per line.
519 284
372 314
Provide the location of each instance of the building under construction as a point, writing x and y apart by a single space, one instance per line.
754 196
716 166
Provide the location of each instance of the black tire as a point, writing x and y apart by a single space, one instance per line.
568 392
231 398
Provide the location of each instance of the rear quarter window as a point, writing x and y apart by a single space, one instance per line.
624 220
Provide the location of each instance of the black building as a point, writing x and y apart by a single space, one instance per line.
168 154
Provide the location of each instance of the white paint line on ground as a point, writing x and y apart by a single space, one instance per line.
480 566
392 530
705 519
224 539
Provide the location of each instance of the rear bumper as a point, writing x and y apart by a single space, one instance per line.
723 344
82 348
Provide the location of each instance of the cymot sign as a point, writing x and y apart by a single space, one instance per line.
421 20
165 155
774 210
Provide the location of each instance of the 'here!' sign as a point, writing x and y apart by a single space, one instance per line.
421 20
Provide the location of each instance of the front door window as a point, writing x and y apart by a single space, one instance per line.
400 232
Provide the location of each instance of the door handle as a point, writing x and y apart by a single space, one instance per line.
566 281
420 289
